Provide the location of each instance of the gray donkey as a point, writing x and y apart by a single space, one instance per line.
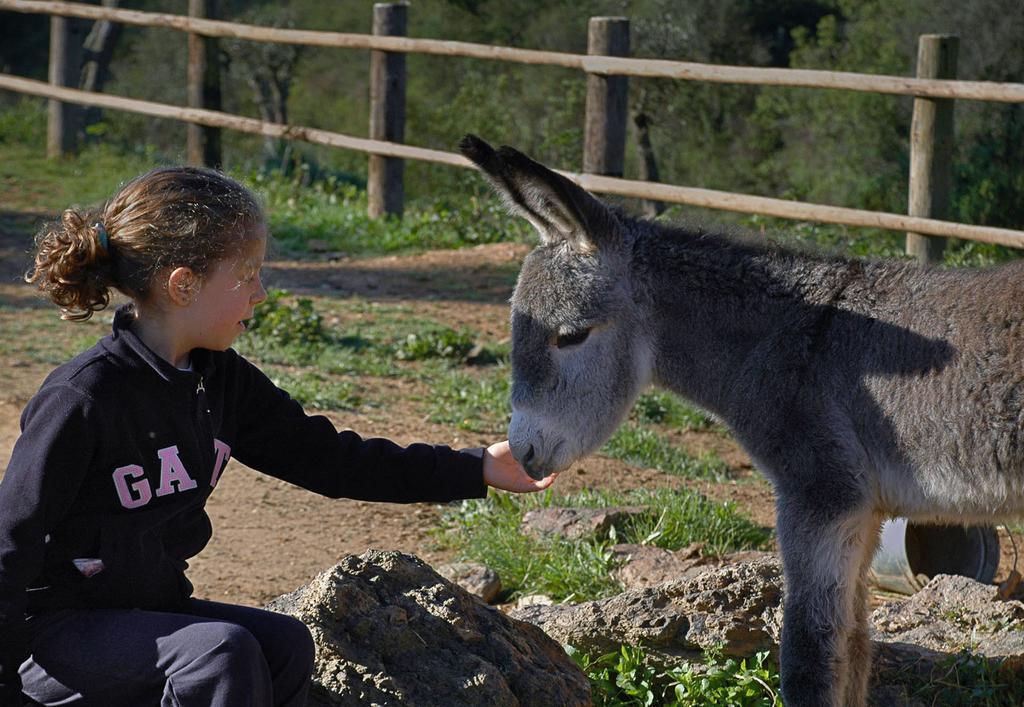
860 389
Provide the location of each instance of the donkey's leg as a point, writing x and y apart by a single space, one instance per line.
859 643
822 556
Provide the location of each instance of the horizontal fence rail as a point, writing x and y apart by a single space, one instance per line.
707 198
649 68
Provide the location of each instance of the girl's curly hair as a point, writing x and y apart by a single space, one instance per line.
167 217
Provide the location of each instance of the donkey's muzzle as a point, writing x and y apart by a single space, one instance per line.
528 462
526 455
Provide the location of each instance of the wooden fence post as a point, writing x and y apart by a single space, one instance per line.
385 188
204 143
65 59
604 133
931 145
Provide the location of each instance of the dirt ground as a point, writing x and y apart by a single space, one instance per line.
270 537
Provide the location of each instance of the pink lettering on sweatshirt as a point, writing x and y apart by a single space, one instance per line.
132 493
135 491
173 476
223 454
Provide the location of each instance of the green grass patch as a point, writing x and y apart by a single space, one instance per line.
39 335
477 401
318 346
680 517
487 531
641 446
31 182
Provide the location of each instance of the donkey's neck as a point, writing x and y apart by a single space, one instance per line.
721 307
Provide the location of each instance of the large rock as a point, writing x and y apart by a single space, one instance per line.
735 607
917 641
952 612
389 630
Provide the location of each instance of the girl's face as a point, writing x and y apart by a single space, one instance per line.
228 294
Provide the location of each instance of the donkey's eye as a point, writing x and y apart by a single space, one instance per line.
572 338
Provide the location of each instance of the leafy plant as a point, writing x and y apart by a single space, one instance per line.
733 682
278 321
625 678
618 679
435 343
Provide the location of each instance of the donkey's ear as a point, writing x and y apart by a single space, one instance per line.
559 209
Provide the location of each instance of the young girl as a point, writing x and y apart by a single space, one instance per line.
103 501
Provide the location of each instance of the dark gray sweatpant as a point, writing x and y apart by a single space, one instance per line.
206 655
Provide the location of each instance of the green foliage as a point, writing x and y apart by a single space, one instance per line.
284 320
619 679
642 447
435 343
840 147
24 123
731 682
625 679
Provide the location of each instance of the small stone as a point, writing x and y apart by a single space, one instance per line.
534 600
474 577
575 523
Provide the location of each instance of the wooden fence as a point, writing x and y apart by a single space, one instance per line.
934 89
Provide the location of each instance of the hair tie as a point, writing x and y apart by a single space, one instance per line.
101 235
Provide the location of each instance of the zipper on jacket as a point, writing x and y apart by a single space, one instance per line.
203 423
201 396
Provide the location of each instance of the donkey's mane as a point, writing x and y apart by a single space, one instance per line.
733 257
772 244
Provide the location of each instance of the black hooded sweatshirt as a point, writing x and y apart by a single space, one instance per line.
119 452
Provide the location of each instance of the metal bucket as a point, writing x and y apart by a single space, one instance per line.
911 553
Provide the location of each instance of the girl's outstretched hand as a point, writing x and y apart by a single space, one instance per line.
502 471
